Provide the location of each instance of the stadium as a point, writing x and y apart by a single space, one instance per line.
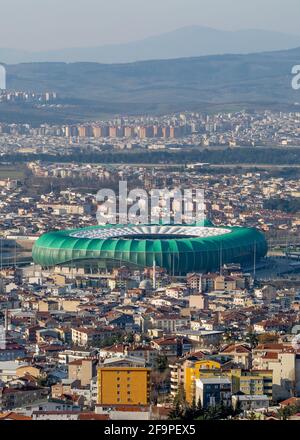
179 249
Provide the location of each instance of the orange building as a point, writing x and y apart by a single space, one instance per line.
123 386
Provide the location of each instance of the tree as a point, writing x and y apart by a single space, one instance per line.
286 412
182 410
251 416
43 381
179 408
129 338
238 409
199 409
161 363
176 412
190 412
213 412
252 339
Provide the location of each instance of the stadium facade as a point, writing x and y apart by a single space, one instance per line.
178 248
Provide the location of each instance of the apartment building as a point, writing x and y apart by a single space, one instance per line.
123 385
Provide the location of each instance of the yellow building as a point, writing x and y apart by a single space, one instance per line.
198 370
123 386
258 382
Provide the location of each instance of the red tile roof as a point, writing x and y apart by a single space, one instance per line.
93 416
236 349
13 416
291 401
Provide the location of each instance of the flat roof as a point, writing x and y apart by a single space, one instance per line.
252 397
213 380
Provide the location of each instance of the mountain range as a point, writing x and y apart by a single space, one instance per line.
207 83
191 41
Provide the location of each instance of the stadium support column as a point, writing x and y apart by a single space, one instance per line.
221 259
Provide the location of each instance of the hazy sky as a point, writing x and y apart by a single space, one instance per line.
52 24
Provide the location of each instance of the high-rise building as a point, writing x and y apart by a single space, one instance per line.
157 131
71 131
97 132
128 132
123 386
113 132
105 131
82 131
166 132
143 132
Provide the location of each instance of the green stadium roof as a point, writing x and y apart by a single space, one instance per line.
178 248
